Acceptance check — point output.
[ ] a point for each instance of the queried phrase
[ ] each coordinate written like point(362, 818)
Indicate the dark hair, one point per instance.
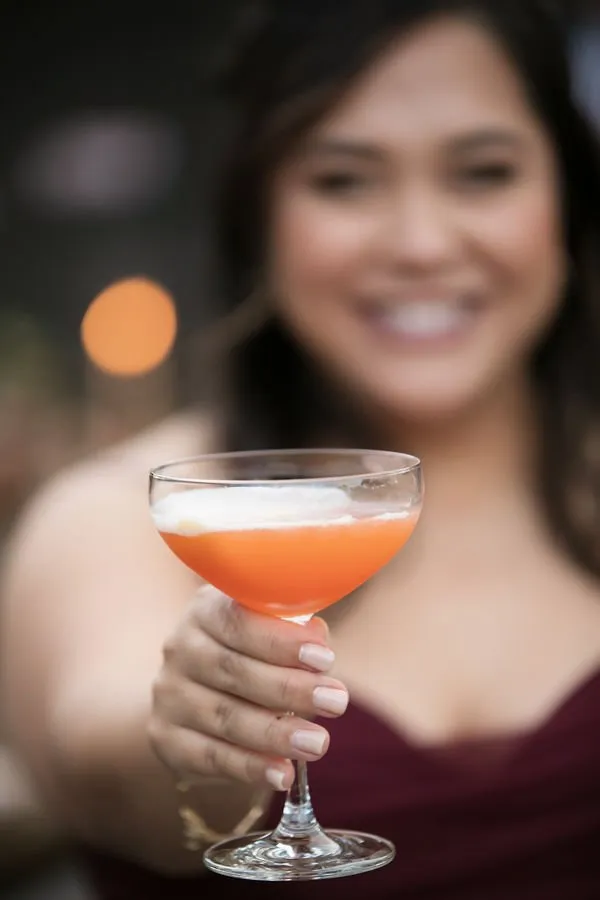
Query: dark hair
point(301, 55)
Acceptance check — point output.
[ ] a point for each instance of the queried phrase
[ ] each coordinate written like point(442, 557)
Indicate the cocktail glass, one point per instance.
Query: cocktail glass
point(287, 534)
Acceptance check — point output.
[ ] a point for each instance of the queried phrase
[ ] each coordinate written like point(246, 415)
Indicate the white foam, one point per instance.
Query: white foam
point(246, 507)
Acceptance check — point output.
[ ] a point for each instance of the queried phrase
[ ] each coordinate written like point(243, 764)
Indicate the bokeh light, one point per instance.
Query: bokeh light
point(100, 164)
point(130, 328)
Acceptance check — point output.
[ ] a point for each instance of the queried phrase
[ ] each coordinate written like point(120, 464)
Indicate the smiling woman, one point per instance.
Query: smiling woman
point(415, 197)
point(420, 254)
point(464, 170)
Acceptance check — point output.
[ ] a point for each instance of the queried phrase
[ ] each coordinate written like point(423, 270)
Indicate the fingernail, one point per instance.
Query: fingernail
point(312, 742)
point(276, 778)
point(317, 657)
point(330, 700)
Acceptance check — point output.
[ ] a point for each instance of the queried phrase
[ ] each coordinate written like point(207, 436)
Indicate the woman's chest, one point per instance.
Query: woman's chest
point(465, 647)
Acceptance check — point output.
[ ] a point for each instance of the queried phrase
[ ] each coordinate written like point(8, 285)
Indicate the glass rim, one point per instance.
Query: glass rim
point(160, 474)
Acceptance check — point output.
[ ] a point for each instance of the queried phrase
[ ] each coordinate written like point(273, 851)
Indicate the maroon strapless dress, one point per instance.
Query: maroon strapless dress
point(514, 819)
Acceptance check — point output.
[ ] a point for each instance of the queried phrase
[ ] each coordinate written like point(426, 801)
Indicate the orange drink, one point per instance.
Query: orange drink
point(241, 544)
point(287, 533)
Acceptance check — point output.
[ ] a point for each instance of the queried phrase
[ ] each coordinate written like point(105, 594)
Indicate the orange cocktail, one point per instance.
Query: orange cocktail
point(279, 550)
point(293, 571)
point(287, 533)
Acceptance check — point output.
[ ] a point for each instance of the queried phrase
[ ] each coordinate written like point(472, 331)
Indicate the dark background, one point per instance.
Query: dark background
point(110, 130)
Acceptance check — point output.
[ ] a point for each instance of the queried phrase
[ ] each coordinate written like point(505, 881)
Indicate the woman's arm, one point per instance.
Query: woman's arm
point(89, 596)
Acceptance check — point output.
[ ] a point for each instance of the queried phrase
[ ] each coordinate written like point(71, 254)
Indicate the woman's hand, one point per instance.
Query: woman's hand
point(228, 679)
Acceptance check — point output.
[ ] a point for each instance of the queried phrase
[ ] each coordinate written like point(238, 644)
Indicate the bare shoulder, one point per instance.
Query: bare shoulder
point(90, 592)
point(88, 588)
point(126, 465)
point(96, 500)
point(181, 435)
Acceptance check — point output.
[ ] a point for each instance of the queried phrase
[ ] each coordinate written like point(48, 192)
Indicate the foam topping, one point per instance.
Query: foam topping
point(246, 507)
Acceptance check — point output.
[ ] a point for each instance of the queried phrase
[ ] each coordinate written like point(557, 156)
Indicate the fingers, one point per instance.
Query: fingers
point(251, 727)
point(230, 677)
point(204, 661)
point(256, 668)
point(192, 754)
point(264, 638)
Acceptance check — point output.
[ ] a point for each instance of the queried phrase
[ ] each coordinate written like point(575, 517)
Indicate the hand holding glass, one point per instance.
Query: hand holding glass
point(288, 533)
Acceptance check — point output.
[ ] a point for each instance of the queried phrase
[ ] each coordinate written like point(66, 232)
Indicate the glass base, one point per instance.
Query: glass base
point(332, 854)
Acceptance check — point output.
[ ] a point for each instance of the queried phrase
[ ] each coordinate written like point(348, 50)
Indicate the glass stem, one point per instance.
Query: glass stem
point(298, 818)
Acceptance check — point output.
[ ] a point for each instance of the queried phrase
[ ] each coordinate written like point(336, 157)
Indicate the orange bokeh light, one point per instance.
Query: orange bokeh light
point(130, 328)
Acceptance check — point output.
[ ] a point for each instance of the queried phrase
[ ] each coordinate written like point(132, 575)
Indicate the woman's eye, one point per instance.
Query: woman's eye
point(488, 175)
point(340, 183)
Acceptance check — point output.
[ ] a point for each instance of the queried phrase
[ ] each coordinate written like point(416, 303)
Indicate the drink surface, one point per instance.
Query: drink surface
point(281, 550)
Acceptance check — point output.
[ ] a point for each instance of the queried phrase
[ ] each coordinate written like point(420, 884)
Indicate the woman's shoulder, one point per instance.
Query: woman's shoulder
point(183, 434)
point(110, 487)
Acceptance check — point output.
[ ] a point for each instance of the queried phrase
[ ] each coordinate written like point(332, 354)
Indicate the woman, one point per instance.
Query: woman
point(416, 200)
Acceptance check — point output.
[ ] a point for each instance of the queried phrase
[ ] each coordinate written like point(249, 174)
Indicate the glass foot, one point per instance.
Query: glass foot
point(267, 857)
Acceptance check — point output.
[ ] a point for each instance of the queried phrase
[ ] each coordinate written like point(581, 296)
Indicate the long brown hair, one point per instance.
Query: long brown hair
point(301, 55)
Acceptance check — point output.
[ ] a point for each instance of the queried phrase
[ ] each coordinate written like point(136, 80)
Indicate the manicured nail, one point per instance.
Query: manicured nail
point(330, 700)
point(276, 778)
point(317, 657)
point(312, 742)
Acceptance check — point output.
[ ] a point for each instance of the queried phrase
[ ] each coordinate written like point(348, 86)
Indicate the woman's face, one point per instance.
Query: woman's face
point(416, 246)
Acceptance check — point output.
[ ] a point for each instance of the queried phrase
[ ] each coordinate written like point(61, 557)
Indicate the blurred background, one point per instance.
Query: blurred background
point(111, 129)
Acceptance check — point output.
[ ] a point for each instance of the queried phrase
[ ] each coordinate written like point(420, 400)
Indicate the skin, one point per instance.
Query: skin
point(480, 627)
point(423, 182)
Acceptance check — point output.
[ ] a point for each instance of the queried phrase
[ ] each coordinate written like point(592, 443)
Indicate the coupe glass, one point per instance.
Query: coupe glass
point(288, 533)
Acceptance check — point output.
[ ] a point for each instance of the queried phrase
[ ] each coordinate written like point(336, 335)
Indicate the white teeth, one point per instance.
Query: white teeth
point(423, 320)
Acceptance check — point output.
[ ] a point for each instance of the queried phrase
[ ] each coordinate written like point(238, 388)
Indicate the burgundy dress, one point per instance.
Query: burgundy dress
point(516, 819)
